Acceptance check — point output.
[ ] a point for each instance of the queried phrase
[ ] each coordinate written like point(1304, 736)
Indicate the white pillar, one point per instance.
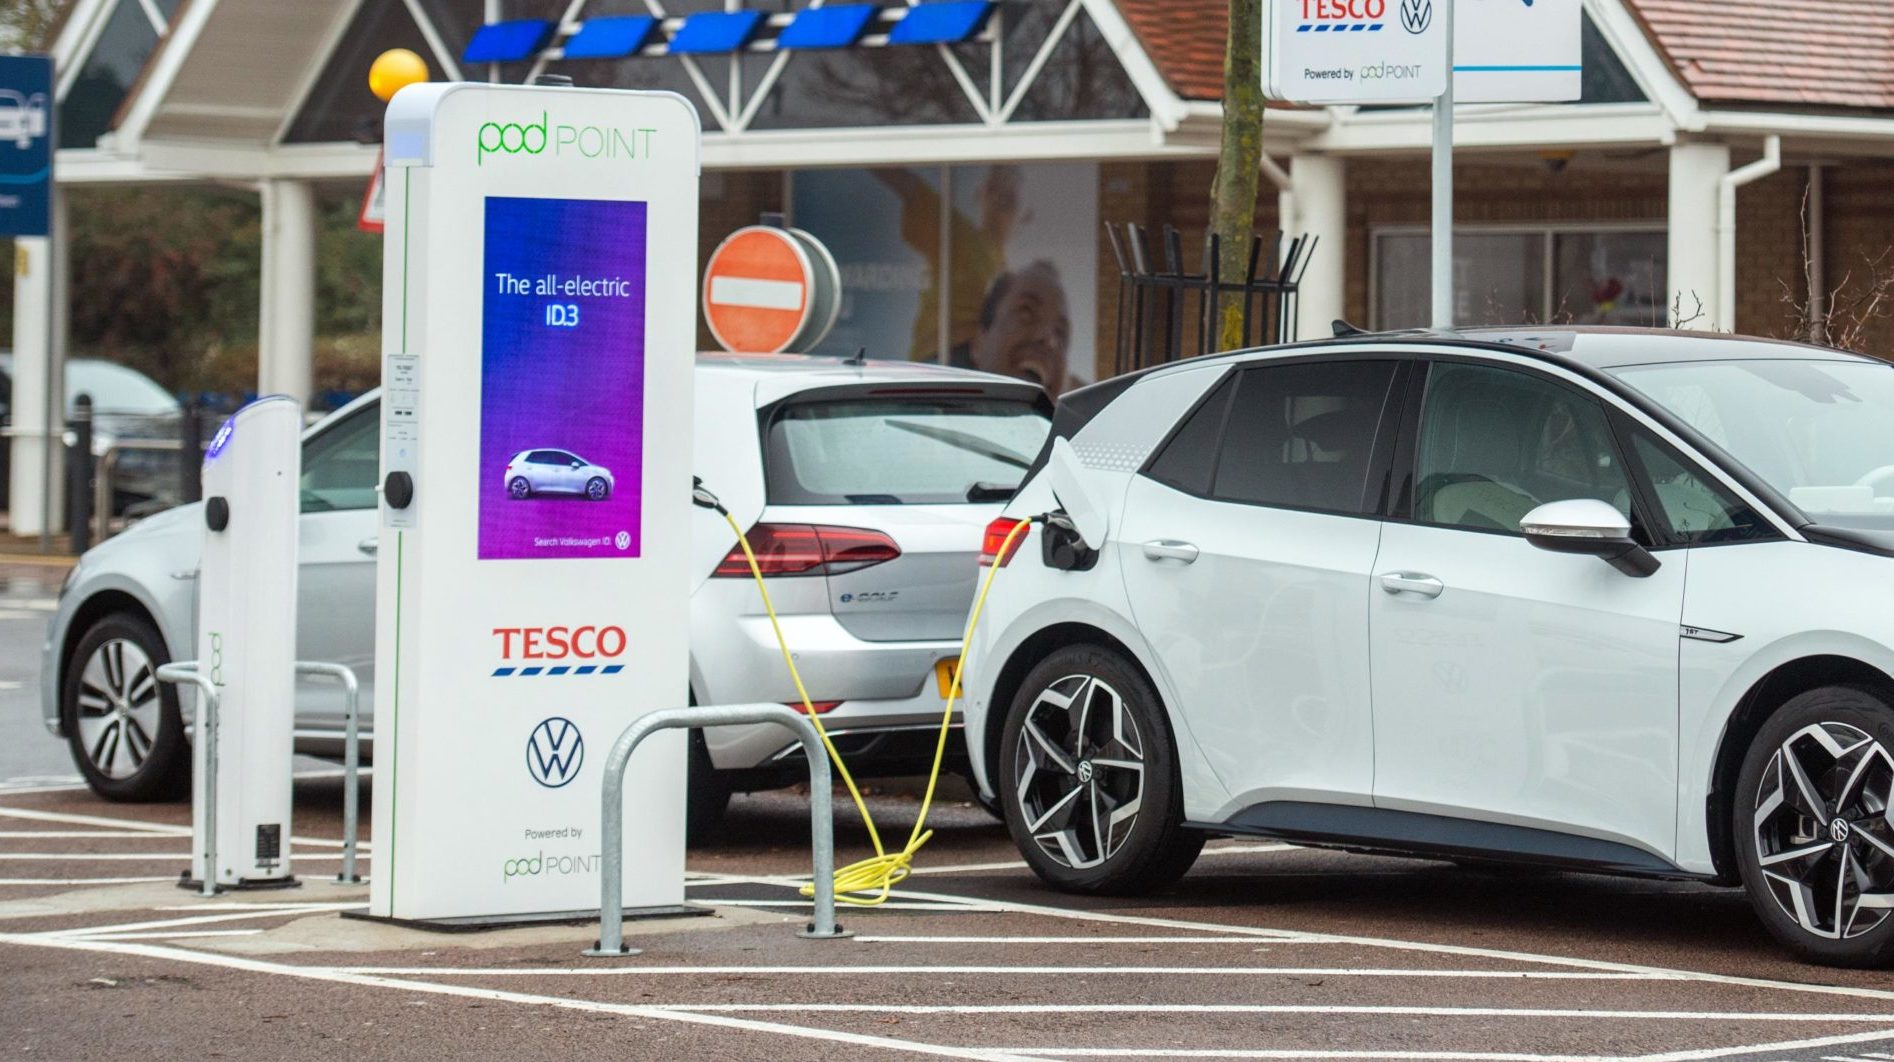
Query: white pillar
point(286, 353)
point(39, 356)
point(1696, 173)
point(1317, 205)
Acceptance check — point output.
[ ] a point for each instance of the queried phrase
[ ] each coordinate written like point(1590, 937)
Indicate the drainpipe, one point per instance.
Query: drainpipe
point(1770, 162)
point(1817, 252)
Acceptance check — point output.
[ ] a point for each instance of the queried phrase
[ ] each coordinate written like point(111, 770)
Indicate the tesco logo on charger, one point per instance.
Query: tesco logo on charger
point(1344, 10)
point(561, 643)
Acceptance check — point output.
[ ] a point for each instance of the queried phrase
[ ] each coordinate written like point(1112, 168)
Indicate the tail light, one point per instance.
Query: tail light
point(995, 540)
point(821, 707)
point(804, 549)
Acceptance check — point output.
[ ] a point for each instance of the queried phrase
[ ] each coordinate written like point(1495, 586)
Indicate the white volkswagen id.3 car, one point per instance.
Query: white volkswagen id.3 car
point(1603, 600)
point(532, 472)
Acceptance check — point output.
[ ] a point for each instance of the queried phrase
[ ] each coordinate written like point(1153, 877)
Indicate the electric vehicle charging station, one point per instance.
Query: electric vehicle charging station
point(246, 649)
point(533, 598)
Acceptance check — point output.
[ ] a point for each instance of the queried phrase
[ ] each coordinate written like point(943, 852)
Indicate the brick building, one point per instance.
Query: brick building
point(951, 175)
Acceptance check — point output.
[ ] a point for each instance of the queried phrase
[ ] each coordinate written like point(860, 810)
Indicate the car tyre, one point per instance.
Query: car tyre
point(706, 796)
point(1088, 777)
point(597, 489)
point(1812, 830)
point(123, 725)
point(518, 489)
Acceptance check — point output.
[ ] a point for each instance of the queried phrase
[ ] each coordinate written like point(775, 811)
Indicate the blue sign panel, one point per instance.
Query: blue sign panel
point(26, 144)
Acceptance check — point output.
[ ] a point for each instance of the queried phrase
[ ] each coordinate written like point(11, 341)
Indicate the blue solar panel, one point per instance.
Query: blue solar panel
point(614, 37)
point(506, 42)
point(941, 23)
point(716, 31)
point(837, 26)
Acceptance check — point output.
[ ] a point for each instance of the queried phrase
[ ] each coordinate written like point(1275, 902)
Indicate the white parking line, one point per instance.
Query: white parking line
point(1060, 940)
point(227, 915)
point(133, 825)
point(1268, 1008)
point(333, 976)
point(81, 881)
point(1442, 1056)
point(73, 835)
point(997, 971)
point(176, 936)
point(1020, 864)
point(54, 857)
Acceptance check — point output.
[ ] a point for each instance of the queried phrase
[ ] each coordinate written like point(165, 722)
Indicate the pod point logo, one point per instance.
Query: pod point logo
point(1417, 15)
point(535, 138)
point(554, 752)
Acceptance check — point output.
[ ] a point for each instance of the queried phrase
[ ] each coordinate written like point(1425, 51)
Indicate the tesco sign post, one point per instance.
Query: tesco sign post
point(533, 599)
point(1354, 51)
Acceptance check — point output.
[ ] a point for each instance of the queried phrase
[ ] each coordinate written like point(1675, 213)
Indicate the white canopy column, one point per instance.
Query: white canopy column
point(36, 504)
point(1696, 171)
point(1317, 204)
point(286, 354)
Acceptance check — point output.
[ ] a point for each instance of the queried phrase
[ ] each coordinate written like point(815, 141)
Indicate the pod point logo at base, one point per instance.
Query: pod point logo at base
point(535, 138)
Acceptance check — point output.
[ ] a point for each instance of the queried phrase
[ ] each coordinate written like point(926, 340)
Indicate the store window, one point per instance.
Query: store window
point(1526, 275)
point(86, 112)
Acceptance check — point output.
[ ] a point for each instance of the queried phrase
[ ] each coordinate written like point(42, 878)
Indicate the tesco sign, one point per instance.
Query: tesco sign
point(560, 643)
point(1353, 51)
point(1343, 10)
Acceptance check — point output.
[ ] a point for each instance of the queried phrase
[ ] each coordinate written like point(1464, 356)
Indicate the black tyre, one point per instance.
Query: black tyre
point(1088, 777)
point(518, 488)
point(706, 796)
point(597, 489)
point(121, 723)
point(1812, 836)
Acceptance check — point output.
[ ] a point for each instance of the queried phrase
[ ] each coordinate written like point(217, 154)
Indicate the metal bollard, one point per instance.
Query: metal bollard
point(79, 473)
point(611, 907)
point(190, 454)
point(185, 671)
point(351, 761)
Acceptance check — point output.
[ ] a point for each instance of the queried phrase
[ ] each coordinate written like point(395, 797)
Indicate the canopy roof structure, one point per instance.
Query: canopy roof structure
point(219, 89)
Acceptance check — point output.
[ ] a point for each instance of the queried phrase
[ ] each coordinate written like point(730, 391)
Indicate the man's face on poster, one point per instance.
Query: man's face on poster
point(1026, 329)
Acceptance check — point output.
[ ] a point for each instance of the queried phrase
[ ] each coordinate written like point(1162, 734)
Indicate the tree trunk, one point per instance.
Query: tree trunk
point(1240, 163)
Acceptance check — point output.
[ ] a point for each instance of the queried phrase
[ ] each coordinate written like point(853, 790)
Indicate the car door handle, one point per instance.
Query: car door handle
point(1412, 583)
point(370, 545)
point(1170, 549)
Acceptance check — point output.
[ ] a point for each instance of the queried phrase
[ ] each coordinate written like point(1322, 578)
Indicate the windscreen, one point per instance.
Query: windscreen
point(906, 450)
point(1820, 432)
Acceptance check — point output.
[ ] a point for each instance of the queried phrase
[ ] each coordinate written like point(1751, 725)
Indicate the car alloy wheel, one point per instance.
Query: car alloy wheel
point(519, 488)
point(596, 490)
point(1823, 836)
point(1080, 771)
point(119, 708)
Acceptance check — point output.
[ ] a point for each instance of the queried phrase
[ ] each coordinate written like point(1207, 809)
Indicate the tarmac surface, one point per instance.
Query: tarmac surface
point(1263, 951)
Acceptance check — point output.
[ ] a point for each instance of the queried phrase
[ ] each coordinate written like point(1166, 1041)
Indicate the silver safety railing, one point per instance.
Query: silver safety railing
point(611, 906)
point(351, 761)
point(186, 672)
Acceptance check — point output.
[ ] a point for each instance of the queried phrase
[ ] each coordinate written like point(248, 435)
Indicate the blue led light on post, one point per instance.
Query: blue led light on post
point(611, 37)
point(715, 32)
point(508, 42)
point(947, 22)
point(836, 26)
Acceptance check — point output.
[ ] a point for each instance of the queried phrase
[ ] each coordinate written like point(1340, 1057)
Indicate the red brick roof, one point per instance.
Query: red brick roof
point(1827, 53)
point(1797, 53)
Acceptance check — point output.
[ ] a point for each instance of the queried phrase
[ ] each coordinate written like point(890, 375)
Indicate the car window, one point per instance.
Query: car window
point(546, 457)
point(1697, 507)
point(1496, 444)
point(1189, 460)
point(1301, 435)
point(341, 464)
point(915, 449)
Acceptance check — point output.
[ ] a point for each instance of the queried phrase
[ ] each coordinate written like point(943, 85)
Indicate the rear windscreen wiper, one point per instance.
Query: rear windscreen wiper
point(965, 441)
point(992, 492)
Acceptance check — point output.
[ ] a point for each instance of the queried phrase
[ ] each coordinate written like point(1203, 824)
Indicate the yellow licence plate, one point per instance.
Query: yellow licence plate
point(944, 675)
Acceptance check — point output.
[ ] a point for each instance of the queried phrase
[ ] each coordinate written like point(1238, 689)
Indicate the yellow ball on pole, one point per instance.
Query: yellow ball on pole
point(394, 70)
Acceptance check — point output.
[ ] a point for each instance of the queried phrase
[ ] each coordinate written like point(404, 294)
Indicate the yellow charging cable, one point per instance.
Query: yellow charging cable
point(870, 881)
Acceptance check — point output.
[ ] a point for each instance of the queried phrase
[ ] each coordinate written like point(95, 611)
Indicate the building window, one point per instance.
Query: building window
point(91, 105)
point(1614, 275)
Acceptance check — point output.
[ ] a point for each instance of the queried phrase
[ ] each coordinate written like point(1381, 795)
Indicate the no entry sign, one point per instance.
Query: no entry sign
point(768, 290)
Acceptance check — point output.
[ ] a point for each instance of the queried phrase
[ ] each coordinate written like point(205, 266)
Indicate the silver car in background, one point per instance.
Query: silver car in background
point(864, 489)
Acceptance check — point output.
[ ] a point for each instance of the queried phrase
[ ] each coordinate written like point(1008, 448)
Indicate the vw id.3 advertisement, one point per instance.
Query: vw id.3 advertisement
point(562, 379)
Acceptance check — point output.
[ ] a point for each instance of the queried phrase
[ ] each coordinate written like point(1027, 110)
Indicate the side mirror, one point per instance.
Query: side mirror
point(1588, 526)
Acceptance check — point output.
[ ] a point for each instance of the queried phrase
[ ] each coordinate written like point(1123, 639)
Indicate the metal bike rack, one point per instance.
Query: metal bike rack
point(185, 671)
point(351, 761)
point(611, 907)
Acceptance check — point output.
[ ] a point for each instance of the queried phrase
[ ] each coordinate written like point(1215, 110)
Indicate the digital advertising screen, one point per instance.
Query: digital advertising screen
point(562, 379)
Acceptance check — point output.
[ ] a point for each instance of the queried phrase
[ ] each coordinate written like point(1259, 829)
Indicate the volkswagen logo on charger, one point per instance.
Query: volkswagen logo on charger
point(555, 752)
point(1417, 15)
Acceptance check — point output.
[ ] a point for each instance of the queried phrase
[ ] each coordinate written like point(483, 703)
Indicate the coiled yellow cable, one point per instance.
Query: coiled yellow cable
point(870, 881)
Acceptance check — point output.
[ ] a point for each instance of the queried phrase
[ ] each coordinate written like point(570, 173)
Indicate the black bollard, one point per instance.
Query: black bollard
point(190, 454)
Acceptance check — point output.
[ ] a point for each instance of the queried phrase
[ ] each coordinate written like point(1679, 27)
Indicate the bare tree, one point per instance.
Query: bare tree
point(1240, 163)
point(26, 25)
point(1844, 315)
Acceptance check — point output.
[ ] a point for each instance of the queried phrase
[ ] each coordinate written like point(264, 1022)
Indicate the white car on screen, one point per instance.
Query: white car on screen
point(22, 119)
point(549, 471)
point(1607, 600)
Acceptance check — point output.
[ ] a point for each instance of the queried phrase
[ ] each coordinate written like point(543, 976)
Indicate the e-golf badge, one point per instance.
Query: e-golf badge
point(555, 752)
